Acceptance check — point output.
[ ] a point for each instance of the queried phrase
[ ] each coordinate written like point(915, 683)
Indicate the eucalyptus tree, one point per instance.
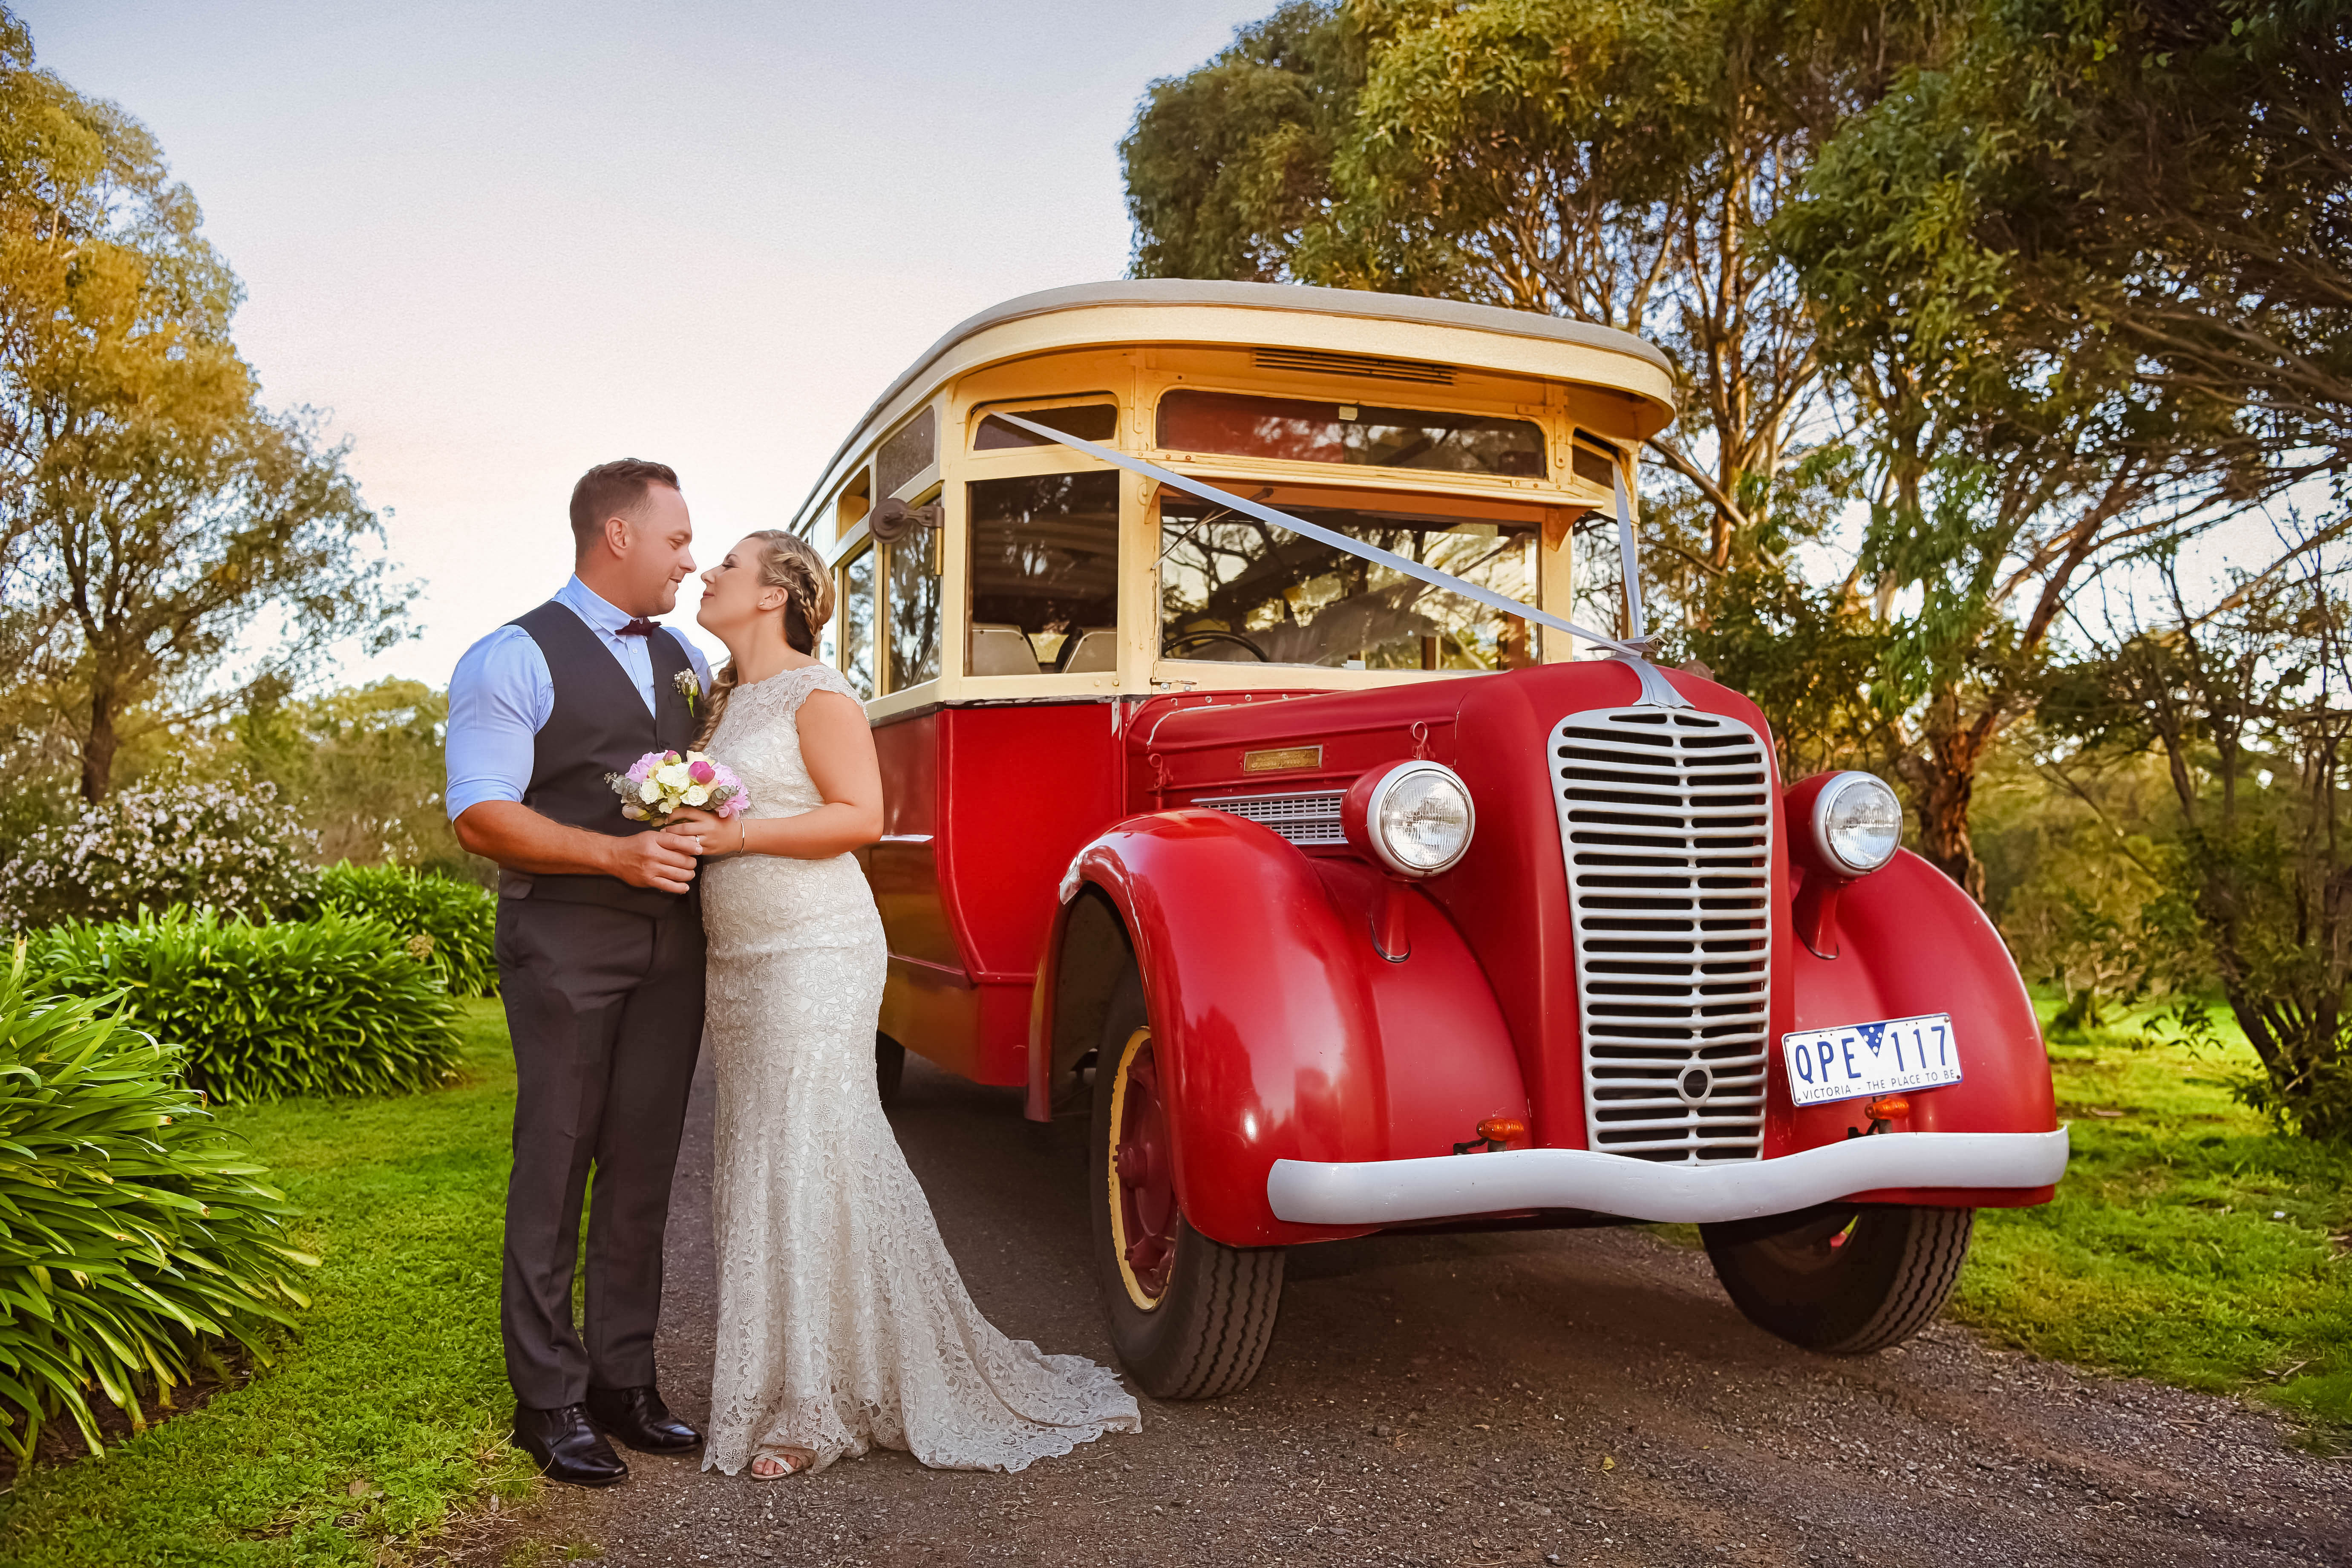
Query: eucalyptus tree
point(1611, 163)
point(2017, 266)
point(2247, 698)
point(154, 515)
point(2178, 173)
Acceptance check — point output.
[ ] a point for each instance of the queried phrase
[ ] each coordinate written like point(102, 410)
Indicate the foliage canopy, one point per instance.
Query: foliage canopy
point(154, 517)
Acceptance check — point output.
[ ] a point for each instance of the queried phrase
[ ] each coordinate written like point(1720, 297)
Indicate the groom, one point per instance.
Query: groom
point(600, 961)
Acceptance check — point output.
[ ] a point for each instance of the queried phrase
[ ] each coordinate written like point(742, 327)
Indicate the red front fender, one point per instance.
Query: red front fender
point(1282, 1033)
point(1908, 941)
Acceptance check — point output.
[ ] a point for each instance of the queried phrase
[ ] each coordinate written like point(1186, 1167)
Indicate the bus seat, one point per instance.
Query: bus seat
point(1000, 647)
point(1090, 650)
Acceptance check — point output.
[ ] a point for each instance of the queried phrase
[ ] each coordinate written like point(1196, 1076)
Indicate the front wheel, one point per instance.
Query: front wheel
point(1843, 1278)
point(1191, 1317)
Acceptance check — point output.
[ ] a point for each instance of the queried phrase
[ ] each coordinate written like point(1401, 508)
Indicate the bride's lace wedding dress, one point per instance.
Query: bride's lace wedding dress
point(842, 1321)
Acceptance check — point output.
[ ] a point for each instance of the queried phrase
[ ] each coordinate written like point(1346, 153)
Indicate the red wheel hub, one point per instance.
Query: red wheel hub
point(1145, 1189)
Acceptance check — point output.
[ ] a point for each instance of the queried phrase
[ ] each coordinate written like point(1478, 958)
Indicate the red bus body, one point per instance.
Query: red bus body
point(1289, 1035)
point(1120, 748)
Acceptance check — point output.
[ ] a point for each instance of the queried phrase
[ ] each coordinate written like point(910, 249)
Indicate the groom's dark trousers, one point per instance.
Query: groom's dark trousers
point(602, 984)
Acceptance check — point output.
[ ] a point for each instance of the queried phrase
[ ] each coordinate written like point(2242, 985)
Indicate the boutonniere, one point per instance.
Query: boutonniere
point(690, 688)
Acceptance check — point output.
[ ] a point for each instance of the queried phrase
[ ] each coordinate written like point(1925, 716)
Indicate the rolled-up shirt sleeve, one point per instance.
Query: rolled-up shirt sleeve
point(499, 698)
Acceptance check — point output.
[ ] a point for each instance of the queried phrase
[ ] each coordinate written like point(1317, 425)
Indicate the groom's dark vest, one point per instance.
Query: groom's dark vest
point(597, 726)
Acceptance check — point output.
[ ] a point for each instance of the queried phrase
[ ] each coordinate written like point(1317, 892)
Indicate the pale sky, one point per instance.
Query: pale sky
point(500, 242)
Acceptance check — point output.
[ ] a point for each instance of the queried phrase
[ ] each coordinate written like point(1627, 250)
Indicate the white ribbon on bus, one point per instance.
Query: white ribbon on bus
point(1635, 647)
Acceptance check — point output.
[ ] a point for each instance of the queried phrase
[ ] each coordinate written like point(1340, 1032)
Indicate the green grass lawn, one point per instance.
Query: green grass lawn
point(390, 1407)
point(2188, 1242)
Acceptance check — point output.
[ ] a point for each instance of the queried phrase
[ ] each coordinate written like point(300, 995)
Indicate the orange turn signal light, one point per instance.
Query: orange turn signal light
point(1886, 1107)
point(1502, 1129)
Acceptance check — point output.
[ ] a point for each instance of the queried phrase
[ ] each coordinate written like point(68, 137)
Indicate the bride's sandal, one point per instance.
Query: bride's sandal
point(778, 1465)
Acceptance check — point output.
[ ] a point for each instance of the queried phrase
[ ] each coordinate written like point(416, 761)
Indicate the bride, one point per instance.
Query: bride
point(842, 1321)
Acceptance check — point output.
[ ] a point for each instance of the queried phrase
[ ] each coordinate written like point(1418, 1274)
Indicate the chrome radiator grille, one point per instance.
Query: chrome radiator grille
point(1665, 822)
point(1310, 818)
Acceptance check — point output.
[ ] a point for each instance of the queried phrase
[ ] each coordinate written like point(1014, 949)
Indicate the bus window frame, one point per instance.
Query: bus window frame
point(979, 411)
point(1550, 648)
point(965, 465)
point(1556, 430)
point(1137, 376)
point(830, 647)
point(886, 552)
point(1539, 419)
point(857, 490)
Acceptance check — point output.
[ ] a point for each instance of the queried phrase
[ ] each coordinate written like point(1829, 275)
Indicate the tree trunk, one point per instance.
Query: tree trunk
point(1944, 842)
point(1943, 780)
point(97, 748)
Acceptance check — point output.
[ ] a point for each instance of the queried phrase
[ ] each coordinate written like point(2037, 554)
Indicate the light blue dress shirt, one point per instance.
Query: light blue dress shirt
point(502, 694)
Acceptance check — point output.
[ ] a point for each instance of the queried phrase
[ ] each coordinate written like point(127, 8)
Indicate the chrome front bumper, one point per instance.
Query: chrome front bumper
point(1399, 1192)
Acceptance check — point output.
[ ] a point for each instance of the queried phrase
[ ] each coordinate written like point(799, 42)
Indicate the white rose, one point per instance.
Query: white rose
point(649, 791)
point(696, 796)
point(673, 776)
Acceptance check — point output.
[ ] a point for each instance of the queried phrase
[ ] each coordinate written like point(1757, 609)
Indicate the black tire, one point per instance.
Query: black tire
point(889, 1066)
point(1206, 1332)
point(1843, 1278)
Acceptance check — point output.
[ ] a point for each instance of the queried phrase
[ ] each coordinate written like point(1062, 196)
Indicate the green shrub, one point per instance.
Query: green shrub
point(225, 844)
point(132, 1235)
point(333, 1006)
point(457, 919)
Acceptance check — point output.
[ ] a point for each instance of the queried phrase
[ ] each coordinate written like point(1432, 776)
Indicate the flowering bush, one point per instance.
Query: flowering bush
point(225, 846)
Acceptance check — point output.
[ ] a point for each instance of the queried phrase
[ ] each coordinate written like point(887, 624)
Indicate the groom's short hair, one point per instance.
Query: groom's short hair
point(612, 490)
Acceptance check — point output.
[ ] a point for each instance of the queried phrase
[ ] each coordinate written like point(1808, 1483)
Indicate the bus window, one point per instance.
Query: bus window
point(1594, 460)
point(1302, 431)
point(907, 452)
point(1044, 574)
point(911, 564)
point(853, 622)
point(1233, 588)
point(856, 499)
point(1087, 421)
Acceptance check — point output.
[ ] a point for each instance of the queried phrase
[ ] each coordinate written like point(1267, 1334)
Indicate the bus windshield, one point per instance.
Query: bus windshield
point(1301, 430)
point(1233, 588)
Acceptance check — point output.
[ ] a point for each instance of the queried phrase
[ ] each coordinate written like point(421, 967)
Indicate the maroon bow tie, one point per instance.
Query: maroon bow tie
point(639, 629)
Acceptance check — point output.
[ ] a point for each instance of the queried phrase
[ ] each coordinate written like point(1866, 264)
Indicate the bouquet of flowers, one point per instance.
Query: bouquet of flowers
point(659, 783)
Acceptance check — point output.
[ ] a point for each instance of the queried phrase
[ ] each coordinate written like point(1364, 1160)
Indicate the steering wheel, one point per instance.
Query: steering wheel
point(1187, 639)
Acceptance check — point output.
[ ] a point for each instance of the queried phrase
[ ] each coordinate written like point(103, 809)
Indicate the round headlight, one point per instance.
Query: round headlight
point(1418, 818)
point(1857, 822)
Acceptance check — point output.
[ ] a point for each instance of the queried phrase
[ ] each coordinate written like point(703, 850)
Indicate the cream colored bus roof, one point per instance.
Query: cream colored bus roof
point(1509, 333)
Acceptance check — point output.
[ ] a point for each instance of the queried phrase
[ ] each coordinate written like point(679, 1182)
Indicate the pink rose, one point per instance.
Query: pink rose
point(702, 773)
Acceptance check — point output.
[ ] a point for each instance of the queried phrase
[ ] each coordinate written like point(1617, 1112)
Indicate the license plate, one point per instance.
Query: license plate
point(1861, 1059)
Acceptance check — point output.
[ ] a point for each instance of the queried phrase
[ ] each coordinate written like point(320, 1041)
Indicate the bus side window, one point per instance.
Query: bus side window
point(852, 631)
point(1044, 575)
point(912, 570)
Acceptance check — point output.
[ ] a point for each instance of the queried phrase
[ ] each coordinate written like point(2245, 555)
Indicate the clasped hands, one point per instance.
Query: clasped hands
point(667, 856)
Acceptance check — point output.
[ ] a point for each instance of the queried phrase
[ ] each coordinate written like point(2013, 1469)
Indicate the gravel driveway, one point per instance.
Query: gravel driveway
point(1530, 1397)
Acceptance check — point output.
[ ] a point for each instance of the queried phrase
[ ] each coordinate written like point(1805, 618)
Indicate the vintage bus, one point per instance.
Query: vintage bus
point(1255, 793)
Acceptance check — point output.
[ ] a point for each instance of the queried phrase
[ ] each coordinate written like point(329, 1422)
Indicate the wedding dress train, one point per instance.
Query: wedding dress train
point(842, 1321)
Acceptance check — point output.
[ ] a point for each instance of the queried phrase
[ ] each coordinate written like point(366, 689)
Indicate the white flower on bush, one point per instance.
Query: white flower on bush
point(219, 845)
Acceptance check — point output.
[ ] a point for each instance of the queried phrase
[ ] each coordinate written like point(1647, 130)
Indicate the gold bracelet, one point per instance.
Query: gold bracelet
point(742, 836)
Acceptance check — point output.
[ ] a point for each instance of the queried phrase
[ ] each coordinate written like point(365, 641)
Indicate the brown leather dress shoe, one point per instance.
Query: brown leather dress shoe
point(566, 1446)
point(638, 1417)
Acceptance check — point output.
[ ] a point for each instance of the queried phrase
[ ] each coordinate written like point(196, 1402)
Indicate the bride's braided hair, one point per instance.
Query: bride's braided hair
point(791, 563)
